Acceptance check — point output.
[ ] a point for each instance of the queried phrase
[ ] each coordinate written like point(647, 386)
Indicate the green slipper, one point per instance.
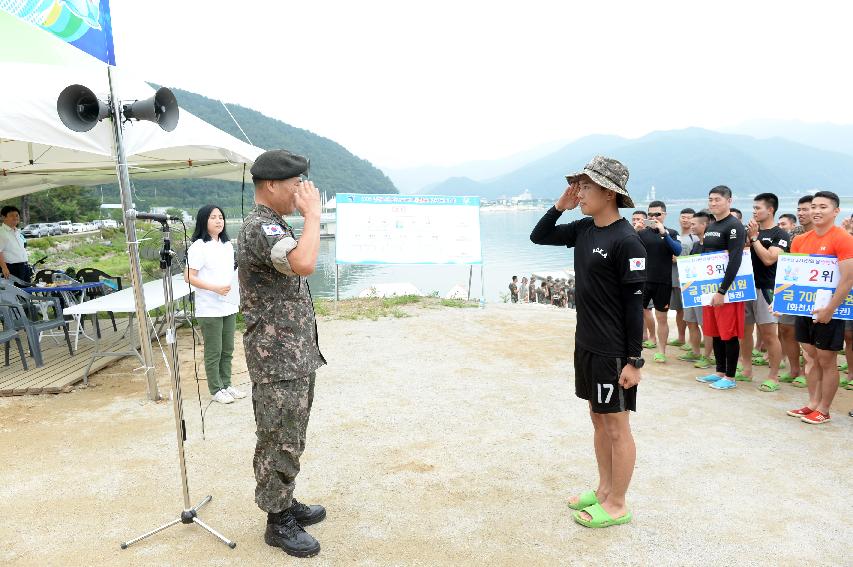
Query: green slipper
point(702, 362)
point(799, 382)
point(600, 518)
point(756, 352)
point(843, 382)
point(741, 377)
point(782, 365)
point(842, 367)
point(688, 357)
point(760, 361)
point(659, 357)
point(786, 378)
point(586, 499)
point(686, 348)
point(650, 344)
point(675, 342)
point(849, 385)
point(769, 386)
point(740, 366)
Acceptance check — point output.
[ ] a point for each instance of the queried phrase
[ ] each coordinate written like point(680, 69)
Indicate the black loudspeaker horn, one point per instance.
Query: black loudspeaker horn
point(161, 108)
point(79, 108)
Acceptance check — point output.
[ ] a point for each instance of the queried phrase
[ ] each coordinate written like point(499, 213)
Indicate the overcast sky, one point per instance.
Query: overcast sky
point(440, 82)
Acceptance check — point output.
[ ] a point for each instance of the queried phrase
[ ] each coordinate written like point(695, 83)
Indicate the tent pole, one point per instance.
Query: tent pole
point(470, 275)
point(132, 244)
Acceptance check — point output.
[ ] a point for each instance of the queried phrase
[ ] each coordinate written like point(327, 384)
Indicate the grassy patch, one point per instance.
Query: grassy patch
point(375, 308)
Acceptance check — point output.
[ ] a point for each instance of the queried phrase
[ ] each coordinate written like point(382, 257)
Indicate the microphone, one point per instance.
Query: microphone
point(133, 214)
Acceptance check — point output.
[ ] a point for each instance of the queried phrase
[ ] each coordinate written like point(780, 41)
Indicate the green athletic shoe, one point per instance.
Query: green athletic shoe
point(786, 378)
point(659, 357)
point(703, 362)
point(686, 348)
point(799, 382)
point(675, 342)
point(689, 357)
point(650, 344)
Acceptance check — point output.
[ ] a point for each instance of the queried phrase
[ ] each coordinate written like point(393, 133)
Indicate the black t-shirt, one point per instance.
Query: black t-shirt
point(606, 258)
point(765, 276)
point(726, 234)
point(658, 255)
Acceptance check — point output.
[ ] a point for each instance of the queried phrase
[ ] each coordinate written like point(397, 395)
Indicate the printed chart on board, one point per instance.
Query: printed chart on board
point(407, 229)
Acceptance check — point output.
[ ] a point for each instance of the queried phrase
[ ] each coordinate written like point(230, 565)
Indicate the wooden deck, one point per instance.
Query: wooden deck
point(60, 371)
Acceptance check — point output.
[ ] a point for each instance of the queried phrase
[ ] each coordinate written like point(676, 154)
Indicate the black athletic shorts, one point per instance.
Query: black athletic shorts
point(825, 336)
point(658, 293)
point(597, 380)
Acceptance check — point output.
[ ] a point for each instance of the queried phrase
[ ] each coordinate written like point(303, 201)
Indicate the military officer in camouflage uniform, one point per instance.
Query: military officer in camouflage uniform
point(282, 353)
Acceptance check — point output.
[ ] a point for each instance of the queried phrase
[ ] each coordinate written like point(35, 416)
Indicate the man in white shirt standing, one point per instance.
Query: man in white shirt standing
point(13, 254)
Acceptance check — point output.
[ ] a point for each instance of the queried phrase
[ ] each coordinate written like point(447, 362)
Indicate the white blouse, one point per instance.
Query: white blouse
point(214, 261)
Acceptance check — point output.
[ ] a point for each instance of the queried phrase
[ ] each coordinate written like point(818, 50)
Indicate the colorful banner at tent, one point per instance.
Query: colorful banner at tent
point(799, 281)
point(407, 229)
point(83, 24)
point(702, 274)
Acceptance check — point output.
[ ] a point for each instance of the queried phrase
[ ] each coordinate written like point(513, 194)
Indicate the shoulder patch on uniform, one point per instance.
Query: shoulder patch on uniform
point(272, 229)
point(637, 264)
point(783, 243)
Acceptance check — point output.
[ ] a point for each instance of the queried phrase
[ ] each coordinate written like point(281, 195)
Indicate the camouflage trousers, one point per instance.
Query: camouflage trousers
point(281, 415)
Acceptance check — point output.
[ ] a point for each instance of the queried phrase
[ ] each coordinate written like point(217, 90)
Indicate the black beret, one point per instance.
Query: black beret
point(278, 164)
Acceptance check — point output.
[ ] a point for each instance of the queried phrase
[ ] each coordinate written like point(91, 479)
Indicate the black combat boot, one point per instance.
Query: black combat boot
point(307, 515)
point(285, 532)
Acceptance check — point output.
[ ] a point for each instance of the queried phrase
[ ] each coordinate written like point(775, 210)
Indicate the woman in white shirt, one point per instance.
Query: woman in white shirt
point(210, 270)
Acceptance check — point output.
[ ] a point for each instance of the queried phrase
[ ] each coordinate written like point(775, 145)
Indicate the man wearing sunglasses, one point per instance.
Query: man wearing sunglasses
point(661, 245)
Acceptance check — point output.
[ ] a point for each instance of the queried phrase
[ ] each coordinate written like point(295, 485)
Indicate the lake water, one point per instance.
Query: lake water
point(507, 251)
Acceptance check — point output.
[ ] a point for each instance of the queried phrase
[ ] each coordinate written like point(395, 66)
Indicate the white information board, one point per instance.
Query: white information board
point(407, 229)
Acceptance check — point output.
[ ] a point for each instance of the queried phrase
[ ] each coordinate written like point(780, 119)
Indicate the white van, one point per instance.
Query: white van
point(65, 226)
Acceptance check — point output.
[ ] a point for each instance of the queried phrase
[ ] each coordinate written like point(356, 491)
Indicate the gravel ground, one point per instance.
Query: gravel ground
point(451, 437)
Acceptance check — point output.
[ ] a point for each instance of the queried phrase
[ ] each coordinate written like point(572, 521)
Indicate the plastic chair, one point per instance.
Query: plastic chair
point(10, 333)
point(91, 275)
point(25, 310)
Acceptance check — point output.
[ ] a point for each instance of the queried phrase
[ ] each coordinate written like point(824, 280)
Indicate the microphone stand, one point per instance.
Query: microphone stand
point(188, 515)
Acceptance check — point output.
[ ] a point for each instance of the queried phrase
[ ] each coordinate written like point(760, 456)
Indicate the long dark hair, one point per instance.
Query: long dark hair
point(201, 224)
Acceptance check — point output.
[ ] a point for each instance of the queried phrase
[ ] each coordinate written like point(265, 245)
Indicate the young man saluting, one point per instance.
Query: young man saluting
point(610, 263)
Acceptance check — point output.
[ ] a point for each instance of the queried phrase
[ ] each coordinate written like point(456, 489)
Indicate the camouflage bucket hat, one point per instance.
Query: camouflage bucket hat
point(610, 174)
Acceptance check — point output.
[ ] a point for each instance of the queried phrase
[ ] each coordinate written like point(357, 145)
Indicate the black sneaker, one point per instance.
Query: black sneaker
point(285, 532)
point(307, 515)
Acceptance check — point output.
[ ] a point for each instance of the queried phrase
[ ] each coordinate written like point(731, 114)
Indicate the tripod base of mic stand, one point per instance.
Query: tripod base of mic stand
point(187, 517)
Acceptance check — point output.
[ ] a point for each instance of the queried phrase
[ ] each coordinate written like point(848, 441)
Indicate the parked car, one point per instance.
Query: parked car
point(89, 227)
point(36, 230)
point(64, 226)
point(53, 228)
point(78, 227)
point(110, 223)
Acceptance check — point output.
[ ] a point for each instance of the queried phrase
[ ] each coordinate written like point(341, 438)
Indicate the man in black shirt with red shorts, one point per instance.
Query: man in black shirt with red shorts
point(610, 269)
point(724, 322)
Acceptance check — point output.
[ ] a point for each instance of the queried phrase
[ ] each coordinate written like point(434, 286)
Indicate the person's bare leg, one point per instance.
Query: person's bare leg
point(624, 455)
point(649, 319)
point(603, 457)
point(848, 353)
point(663, 330)
point(814, 373)
point(770, 337)
point(693, 329)
point(681, 325)
point(791, 348)
point(828, 362)
point(709, 346)
point(746, 345)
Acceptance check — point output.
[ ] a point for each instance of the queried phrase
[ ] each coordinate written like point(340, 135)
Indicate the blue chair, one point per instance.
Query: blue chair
point(10, 333)
point(26, 311)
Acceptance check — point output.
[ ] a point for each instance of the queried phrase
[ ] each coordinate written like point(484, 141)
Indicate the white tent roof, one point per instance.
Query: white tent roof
point(30, 131)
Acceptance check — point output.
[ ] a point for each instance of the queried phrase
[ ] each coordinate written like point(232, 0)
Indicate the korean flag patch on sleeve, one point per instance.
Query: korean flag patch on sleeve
point(272, 229)
point(636, 264)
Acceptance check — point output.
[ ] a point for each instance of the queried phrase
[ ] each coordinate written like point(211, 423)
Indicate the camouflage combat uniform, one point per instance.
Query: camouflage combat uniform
point(282, 352)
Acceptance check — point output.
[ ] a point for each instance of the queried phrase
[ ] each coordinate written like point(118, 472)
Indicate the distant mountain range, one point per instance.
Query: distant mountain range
point(680, 164)
point(333, 168)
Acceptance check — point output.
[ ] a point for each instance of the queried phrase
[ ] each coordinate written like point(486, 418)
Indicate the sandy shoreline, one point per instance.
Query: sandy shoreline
point(449, 437)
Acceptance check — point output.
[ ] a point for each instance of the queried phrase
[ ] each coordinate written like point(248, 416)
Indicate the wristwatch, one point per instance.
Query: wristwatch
point(636, 361)
point(755, 239)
